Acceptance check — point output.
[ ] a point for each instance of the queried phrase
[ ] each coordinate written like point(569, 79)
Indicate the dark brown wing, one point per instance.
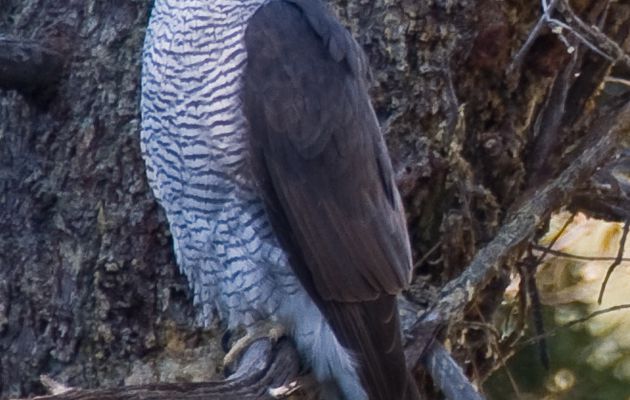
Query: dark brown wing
point(322, 167)
point(314, 128)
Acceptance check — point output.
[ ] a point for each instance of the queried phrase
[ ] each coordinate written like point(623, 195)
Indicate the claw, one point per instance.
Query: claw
point(267, 329)
point(284, 391)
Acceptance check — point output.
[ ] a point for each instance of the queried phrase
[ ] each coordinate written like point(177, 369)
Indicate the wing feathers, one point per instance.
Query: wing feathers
point(324, 152)
point(321, 164)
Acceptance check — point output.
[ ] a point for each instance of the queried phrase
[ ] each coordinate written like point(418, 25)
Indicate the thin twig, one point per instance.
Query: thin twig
point(614, 79)
point(533, 35)
point(532, 290)
point(588, 35)
point(517, 390)
point(548, 248)
point(494, 339)
point(569, 324)
point(428, 254)
point(622, 246)
point(562, 254)
point(528, 268)
point(581, 38)
point(614, 51)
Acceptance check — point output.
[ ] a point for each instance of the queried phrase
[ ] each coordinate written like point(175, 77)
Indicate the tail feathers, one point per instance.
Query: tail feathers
point(371, 331)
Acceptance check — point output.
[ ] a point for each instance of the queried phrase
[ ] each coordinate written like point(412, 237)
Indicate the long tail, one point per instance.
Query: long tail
point(371, 331)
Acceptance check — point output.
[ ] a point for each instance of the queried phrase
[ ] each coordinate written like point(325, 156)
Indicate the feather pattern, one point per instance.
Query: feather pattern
point(322, 167)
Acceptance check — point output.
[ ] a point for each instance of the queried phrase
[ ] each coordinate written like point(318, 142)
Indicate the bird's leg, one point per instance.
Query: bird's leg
point(261, 329)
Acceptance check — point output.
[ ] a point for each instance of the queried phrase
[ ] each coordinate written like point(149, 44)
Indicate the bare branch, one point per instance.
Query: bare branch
point(522, 224)
point(448, 376)
point(549, 122)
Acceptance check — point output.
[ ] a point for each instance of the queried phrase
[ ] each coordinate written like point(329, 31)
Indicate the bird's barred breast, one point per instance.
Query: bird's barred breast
point(194, 146)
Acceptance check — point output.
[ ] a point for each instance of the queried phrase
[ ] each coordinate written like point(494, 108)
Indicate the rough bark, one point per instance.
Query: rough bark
point(89, 291)
point(262, 368)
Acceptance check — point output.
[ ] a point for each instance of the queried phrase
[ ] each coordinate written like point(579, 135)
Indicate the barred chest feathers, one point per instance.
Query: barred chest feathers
point(195, 150)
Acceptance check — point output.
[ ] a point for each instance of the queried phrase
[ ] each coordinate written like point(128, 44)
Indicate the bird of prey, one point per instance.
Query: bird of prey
point(261, 144)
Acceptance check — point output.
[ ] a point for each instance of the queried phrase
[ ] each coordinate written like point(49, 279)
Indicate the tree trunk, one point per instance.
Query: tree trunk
point(481, 103)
